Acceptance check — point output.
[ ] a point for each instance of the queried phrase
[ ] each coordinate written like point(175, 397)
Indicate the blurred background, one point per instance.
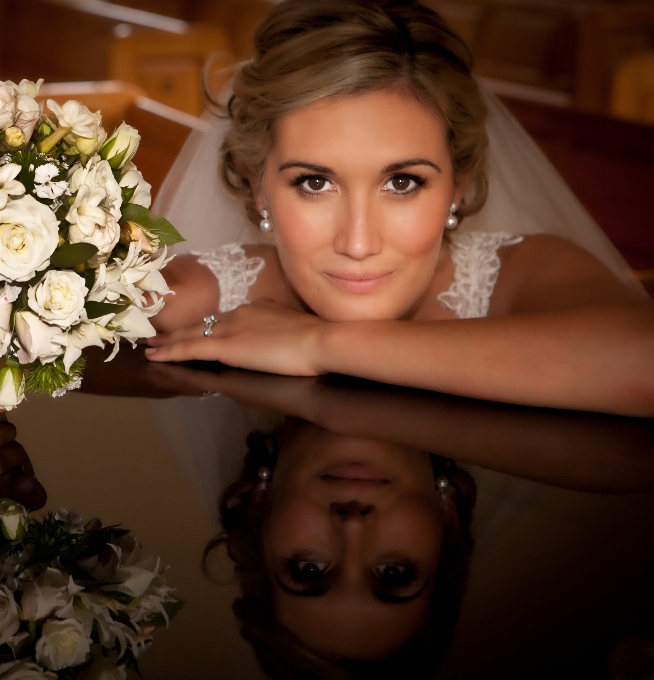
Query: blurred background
point(578, 74)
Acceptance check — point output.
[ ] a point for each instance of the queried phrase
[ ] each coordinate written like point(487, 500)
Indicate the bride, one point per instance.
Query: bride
point(401, 247)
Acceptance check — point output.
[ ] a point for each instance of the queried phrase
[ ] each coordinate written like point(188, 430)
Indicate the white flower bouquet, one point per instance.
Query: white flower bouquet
point(76, 242)
point(76, 600)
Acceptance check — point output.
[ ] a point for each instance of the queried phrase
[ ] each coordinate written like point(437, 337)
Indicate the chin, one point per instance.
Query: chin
point(356, 310)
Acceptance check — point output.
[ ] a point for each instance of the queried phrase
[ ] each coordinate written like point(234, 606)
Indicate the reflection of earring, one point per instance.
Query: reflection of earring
point(452, 220)
point(264, 475)
point(443, 484)
point(266, 224)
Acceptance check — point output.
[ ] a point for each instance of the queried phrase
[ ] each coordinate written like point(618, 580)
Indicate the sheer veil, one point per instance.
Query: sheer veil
point(526, 196)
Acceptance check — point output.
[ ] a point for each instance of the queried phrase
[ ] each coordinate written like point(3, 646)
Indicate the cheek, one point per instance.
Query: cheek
point(295, 523)
point(414, 526)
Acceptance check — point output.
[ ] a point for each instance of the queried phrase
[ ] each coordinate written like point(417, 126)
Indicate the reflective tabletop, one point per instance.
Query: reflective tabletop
point(448, 537)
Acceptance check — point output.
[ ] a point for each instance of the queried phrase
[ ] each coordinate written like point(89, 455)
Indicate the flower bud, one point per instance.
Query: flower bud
point(12, 387)
point(13, 520)
point(131, 231)
point(121, 146)
point(15, 137)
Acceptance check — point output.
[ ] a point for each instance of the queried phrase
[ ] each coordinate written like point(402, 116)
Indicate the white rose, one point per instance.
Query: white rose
point(5, 326)
point(9, 616)
point(7, 104)
point(58, 298)
point(13, 520)
point(9, 185)
point(38, 340)
point(131, 177)
point(120, 148)
point(45, 596)
point(62, 644)
point(77, 117)
point(12, 388)
point(24, 670)
point(29, 234)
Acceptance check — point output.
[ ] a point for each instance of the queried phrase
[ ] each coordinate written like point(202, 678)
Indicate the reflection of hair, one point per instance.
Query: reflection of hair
point(309, 50)
point(281, 654)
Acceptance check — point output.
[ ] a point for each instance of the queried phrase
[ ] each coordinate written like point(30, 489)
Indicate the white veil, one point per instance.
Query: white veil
point(526, 194)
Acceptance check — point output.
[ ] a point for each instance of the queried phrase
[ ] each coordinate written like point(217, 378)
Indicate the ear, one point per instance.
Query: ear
point(460, 189)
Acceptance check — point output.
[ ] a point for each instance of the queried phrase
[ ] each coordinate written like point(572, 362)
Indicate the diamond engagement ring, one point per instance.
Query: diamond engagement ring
point(209, 322)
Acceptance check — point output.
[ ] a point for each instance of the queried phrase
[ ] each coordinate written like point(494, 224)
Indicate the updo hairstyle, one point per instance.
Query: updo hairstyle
point(311, 50)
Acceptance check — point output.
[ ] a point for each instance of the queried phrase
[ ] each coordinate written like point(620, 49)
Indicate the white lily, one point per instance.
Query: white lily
point(38, 340)
point(9, 185)
point(132, 324)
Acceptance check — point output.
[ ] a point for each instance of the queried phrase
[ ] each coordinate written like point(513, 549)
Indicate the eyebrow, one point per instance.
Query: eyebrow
point(393, 167)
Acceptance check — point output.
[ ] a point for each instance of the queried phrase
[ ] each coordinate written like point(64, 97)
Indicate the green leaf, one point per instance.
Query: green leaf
point(89, 277)
point(127, 193)
point(123, 598)
point(95, 310)
point(72, 254)
point(160, 227)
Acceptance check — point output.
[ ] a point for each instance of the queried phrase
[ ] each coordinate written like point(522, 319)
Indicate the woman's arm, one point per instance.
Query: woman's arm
point(563, 333)
point(197, 293)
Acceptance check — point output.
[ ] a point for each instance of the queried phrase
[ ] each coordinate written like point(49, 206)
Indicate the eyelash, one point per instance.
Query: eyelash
point(419, 182)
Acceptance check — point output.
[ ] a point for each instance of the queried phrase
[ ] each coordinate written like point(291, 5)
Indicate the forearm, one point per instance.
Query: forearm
point(600, 358)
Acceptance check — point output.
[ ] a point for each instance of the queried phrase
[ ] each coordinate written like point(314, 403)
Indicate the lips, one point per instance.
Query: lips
point(355, 473)
point(358, 283)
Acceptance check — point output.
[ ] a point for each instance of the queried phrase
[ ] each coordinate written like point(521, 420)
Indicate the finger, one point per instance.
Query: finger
point(7, 432)
point(178, 335)
point(204, 349)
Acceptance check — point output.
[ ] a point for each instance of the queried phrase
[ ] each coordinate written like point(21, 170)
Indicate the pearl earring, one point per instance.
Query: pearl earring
point(443, 484)
point(266, 224)
point(452, 220)
point(264, 475)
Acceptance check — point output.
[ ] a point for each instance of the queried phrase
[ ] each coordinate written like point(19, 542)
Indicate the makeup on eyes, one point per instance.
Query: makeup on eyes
point(316, 185)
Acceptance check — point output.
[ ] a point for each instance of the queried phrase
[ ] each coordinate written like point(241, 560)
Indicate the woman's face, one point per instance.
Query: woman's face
point(353, 542)
point(359, 189)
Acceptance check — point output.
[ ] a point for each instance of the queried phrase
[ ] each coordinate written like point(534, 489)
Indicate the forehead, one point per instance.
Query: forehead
point(372, 126)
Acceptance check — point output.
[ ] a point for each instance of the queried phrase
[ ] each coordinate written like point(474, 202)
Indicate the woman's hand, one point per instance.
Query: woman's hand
point(17, 480)
point(264, 336)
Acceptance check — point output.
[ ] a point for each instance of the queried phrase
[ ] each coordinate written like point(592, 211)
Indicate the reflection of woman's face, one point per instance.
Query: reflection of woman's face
point(359, 189)
point(353, 560)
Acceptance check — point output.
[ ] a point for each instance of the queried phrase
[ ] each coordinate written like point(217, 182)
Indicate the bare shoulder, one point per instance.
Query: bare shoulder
point(546, 273)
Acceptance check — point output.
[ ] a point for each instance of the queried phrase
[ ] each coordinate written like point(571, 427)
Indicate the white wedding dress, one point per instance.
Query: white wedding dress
point(474, 255)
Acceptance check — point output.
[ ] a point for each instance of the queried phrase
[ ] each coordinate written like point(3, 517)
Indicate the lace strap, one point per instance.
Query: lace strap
point(476, 268)
point(235, 272)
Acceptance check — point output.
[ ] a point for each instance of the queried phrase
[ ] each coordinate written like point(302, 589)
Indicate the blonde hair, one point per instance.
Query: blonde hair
point(310, 50)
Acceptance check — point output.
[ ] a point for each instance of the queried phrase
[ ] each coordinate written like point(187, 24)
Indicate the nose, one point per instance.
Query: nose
point(359, 235)
point(350, 510)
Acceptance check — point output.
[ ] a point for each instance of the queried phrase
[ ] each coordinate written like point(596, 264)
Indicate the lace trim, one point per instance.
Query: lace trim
point(476, 268)
point(235, 273)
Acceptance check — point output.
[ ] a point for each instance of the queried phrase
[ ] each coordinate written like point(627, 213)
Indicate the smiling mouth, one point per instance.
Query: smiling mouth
point(360, 284)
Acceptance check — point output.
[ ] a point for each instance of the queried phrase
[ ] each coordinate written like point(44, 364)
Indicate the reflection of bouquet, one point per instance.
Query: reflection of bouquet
point(76, 239)
point(76, 601)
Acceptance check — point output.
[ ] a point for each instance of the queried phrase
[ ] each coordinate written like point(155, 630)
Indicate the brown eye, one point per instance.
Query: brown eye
point(315, 183)
point(401, 183)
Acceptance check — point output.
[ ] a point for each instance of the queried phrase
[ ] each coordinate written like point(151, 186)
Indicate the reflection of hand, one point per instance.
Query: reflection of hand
point(17, 480)
point(264, 336)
